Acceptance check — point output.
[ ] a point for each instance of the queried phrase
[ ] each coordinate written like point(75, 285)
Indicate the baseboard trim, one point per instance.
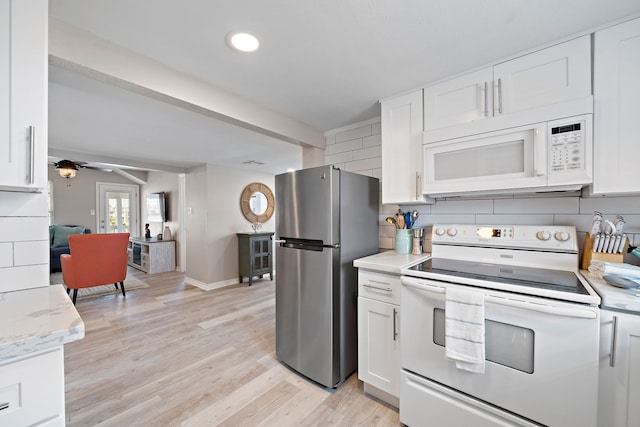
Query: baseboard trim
point(210, 286)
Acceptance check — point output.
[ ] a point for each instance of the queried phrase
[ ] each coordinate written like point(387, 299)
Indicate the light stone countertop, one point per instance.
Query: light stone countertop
point(612, 296)
point(389, 261)
point(37, 319)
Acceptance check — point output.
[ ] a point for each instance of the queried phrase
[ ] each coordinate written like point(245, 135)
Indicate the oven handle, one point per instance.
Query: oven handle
point(558, 311)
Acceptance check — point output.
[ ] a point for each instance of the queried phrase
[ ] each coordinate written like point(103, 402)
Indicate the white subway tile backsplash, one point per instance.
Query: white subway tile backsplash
point(368, 153)
point(338, 158)
point(376, 173)
point(329, 139)
point(17, 278)
point(376, 128)
point(362, 164)
point(611, 205)
point(372, 141)
point(6, 254)
point(561, 205)
point(385, 243)
point(358, 132)
point(22, 204)
point(353, 144)
point(462, 206)
point(514, 219)
point(430, 219)
point(30, 253)
point(582, 223)
point(23, 228)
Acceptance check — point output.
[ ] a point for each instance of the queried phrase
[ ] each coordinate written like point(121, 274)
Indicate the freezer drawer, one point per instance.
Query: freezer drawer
point(308, 322)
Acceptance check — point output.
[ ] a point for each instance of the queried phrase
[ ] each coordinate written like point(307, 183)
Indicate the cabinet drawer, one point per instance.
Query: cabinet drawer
point(379, 286)
point(33, 389)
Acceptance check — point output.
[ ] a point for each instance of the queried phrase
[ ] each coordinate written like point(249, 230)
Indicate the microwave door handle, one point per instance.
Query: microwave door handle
point(539, 153)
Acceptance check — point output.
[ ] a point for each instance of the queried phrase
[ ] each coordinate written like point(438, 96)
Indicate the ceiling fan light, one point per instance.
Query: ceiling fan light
point(67, 172)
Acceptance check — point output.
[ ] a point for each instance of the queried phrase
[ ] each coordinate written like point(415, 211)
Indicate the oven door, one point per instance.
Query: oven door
point(542, 354)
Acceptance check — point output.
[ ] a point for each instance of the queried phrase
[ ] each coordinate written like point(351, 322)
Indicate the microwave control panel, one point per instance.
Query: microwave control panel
point(567, 148)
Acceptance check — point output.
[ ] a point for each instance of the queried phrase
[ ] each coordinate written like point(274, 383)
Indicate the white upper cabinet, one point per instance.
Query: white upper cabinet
point(402, 149)
point(460, 100)
point(23, 94)
point(557, 74)
point(616, 89)
point(534, 85)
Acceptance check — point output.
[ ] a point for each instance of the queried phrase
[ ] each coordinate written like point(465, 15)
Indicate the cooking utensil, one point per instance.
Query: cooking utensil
point(400, 222)
point(407, 219)
point(414, 217)
point(391, 220)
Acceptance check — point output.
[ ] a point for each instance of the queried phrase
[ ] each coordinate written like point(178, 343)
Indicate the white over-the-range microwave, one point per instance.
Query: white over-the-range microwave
point(547, 156)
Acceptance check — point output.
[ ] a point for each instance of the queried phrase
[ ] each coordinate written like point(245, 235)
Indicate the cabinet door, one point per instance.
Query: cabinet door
point(402, 149)
point(619, 385)
point(23, 76)
point(556, 74)
point(459, 100)
point(616, 89)
point(379, 345)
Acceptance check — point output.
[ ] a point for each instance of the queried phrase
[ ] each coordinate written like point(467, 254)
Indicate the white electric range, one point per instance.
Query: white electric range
point(541, 321)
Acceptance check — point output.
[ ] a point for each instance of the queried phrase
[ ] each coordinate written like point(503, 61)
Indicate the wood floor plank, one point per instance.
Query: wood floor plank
point(175, 355)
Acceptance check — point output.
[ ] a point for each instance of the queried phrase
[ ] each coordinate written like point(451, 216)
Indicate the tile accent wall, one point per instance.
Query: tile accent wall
point(357, 148)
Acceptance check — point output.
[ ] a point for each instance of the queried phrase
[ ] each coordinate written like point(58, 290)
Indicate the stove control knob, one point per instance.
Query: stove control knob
point(440, 231)
point(452, 232)
point(563, 236)
point(543, 235)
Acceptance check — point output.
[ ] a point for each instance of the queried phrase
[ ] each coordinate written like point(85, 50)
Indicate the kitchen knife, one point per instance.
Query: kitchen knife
point(612, 243)
point(604, 244)
point(596, 242)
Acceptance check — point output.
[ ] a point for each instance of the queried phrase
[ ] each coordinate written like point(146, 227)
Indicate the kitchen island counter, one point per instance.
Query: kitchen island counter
point(37, 319)
point(389, 261)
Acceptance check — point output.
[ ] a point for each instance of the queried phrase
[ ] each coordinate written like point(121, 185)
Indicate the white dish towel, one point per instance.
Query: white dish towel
point(464, 329)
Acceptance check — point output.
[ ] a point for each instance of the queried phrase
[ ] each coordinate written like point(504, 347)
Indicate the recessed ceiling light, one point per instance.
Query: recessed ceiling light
point(243, 42)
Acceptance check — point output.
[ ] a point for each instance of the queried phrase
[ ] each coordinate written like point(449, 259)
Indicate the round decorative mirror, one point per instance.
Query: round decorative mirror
point(257, 202)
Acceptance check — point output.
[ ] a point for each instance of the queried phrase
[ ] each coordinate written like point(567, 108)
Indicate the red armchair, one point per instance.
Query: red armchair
point(95, 260)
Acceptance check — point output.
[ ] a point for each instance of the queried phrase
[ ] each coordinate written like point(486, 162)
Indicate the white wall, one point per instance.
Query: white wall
point(213, 197)
point(357, 149)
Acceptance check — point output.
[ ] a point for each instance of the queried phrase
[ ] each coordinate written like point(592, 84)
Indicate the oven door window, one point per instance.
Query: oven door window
point(507, 345)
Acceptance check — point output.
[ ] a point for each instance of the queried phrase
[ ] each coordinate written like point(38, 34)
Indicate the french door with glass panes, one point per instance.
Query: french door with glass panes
point(117, 208)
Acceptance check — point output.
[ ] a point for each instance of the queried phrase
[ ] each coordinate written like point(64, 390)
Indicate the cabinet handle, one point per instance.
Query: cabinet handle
point(366, 285)
point(4, 405)
point(486, 99)
point(32, 154)
point(614, 340)
point(417, 186)
point(395, 329)
point(500, 96)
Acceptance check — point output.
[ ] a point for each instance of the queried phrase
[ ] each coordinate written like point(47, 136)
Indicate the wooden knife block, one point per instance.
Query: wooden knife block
point(588, 254)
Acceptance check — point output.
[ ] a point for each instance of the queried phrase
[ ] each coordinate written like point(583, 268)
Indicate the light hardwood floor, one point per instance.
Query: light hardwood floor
point(172, 354)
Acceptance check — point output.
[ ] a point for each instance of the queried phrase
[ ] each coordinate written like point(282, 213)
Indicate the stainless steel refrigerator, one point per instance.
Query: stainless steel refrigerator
point(325, 218)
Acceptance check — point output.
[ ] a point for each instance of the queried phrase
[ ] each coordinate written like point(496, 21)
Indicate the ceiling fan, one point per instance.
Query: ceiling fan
point(69, 168)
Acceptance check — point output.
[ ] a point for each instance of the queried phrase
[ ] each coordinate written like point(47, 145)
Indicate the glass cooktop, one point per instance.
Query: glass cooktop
point(554, 280)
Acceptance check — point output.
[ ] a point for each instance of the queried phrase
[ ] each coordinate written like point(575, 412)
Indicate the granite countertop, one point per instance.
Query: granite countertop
point(37, 319)
point(389, 261)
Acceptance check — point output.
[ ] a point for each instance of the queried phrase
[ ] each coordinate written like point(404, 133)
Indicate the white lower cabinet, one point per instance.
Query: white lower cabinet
point(619, 380)
point(32, 390)
point(379, 335)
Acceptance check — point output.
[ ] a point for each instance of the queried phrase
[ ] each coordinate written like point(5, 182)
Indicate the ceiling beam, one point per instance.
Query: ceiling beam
point(81, 51)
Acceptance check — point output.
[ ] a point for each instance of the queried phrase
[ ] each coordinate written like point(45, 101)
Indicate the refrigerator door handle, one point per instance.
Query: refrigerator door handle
point(279, 241)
